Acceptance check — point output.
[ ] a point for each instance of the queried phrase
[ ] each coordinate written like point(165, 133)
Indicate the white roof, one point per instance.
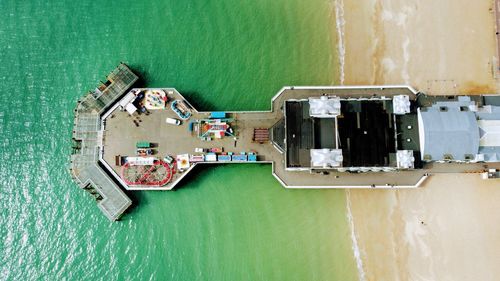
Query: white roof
point(183, 161)
point(324, 107)
point(141, 161)
point(489, 132)
point(210, 157)
point(401, 104)
point(128, 98)
point(405, 159)
point(326, 158)
point(131, 109)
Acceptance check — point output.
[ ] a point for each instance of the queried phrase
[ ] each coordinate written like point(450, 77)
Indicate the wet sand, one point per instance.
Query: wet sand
point(448, 229)
point(439, 47)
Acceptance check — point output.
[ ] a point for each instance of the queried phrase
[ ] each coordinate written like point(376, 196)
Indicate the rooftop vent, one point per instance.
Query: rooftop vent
point(448, 157)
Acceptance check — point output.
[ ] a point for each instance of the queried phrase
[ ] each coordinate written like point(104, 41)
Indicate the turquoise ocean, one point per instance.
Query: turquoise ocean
point(224, 223)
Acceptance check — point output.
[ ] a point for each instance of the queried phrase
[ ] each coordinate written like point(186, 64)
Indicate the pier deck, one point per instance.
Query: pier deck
point(122, 134)
point(106, 132)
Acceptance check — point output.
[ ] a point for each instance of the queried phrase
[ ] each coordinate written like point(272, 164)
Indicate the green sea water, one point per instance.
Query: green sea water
point(224, 223)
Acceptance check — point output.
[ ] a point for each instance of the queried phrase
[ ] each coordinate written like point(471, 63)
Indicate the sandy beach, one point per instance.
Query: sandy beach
point(439, 47)
point(447, 229)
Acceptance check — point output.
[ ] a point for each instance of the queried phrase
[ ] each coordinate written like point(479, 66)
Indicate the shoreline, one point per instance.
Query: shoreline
point(355, 244)
point(339, 35)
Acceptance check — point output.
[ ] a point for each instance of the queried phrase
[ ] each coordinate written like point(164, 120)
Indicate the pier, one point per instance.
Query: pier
point(314, 137)
point(121, 136)
point(87, 139)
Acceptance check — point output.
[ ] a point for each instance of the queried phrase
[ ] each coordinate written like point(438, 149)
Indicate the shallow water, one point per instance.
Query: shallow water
point(226, 222)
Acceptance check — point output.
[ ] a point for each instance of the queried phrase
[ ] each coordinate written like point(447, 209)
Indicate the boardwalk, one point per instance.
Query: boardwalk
point(87, 143)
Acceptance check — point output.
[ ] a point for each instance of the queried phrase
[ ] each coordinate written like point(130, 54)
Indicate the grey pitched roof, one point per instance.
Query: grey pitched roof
point(452, 132)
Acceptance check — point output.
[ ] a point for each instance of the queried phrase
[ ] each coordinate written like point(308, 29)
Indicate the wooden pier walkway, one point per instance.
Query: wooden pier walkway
point(87, 143)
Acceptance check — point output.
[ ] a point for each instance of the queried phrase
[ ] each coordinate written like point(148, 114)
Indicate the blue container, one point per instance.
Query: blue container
point(217, 114)
point(252, 157)
point(239, 158)
point(224, 158)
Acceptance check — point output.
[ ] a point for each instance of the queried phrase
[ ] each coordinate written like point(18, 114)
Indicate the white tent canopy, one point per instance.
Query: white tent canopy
point(401, 104)
point(405, 159)
point(324, 107)
point(326, 158)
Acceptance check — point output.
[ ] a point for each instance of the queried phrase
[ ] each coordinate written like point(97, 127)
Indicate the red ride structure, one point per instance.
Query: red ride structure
point(158, 174)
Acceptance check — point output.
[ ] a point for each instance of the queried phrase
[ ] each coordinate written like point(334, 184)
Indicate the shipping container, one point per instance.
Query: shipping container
point(210, 157)
point(217, 115)
point(239, 158)
point(252, 157)
point(224, 158)
point(143, 144)
point(168, 159)
point(197, 158)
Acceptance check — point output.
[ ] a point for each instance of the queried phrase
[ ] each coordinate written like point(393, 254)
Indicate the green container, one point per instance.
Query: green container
point(143, 144)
